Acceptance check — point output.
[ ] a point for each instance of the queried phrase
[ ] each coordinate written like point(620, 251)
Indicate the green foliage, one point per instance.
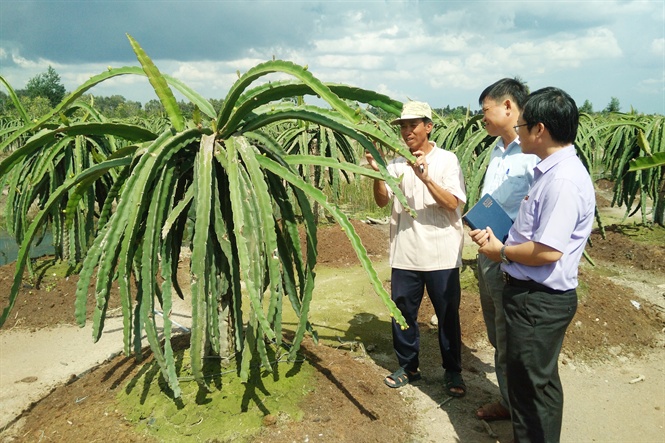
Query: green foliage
point(236, 182)
point(612, 106)
point(457, 113)
point(48, 156)
point(46, 85)
point(648, 162)
point(609, 144)
point(5, 102)
point(471, 144)
point(356, 198)
point(36, 106)
point(116, 106)
point(304, 138)
point(587, 107)
point(225, 178)
point(9, 125)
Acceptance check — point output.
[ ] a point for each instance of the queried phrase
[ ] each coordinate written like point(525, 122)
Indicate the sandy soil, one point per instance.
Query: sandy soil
point(612, 366)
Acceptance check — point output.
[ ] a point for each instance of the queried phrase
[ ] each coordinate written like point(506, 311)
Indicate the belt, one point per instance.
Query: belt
point(529, 284)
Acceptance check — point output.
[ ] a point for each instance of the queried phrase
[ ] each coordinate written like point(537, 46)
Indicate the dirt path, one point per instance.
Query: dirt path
point(602, 405)
point(34, 362)
point(621, 400)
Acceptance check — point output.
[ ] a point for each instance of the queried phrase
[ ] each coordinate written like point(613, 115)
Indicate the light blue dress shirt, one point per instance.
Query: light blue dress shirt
point(509, 175)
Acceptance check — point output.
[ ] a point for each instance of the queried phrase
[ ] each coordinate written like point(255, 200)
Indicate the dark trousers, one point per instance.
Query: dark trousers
point(536, 323)
point(444, 291)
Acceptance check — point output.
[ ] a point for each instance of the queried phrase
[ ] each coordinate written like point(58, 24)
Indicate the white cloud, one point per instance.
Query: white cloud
point(390, 31)
point(658, 47)
point(204, 75)
point(384, 89)
point(653, 86)
point(363, 62)
point(452, 73)
point(441, 52)
point(568, 50)
point(358, 44)
point(24, 63)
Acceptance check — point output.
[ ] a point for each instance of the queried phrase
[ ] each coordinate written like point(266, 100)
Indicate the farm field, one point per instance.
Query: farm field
point(616, 338)
point(226, 185)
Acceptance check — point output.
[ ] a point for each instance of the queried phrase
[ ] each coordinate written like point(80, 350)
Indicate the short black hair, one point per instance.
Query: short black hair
point(427, 121)
point(555, 109)
point(512, 88)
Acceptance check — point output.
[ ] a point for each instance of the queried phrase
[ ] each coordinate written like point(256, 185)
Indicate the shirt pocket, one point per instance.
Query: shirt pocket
point(526, 219)
point(511, 192)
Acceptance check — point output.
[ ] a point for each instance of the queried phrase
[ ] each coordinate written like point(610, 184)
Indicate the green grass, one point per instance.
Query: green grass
point(357, 199)
point(649, 234)
point(344, 309)
point(230, 412)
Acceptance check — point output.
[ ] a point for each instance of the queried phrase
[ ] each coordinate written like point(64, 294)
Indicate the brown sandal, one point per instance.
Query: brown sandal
point(493, 411)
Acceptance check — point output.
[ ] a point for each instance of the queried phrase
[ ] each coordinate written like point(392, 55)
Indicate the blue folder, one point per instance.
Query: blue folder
point(487, 212)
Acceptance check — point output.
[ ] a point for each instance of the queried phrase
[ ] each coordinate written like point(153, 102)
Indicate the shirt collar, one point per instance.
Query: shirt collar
point(512, 145)
point(548, 163)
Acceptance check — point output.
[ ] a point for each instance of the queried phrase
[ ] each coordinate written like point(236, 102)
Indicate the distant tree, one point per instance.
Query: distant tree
point(117, 106)
point(36, 107)
point(47, 85)
point(5, 103)
point(587, 107)
point(187, 108)
point(128, 109)
point(109, 105)
point(154, 108)
point(380, 113)
point(458, 112)
point(613, 105)
point(216, 104)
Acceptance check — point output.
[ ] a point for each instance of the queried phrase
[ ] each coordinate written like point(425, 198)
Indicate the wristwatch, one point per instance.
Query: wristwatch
point(504, 259)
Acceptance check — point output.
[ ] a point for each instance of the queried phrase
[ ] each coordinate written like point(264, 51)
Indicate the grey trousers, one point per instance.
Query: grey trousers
point(536, 322)
point(490, 286)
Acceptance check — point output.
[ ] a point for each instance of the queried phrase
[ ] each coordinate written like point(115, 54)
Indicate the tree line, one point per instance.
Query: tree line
point(45, 90)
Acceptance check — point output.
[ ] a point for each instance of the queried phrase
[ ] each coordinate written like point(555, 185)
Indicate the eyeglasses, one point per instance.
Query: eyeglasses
point(517, 128)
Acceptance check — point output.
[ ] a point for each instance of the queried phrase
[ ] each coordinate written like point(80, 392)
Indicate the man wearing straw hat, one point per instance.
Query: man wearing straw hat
point(426, 251)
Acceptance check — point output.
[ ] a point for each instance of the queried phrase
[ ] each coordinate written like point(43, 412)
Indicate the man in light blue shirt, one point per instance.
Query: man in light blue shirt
point(541, 258)
point(507, 179)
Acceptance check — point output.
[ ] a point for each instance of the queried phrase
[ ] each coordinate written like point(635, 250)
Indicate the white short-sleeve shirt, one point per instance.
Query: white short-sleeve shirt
point(435, 238)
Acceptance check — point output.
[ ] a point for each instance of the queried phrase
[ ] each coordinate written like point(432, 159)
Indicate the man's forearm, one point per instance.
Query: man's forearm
point(380, 193)
point(532, 254)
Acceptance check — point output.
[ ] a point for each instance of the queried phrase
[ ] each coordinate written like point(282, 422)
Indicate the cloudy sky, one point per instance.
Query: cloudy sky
point(443, 52)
